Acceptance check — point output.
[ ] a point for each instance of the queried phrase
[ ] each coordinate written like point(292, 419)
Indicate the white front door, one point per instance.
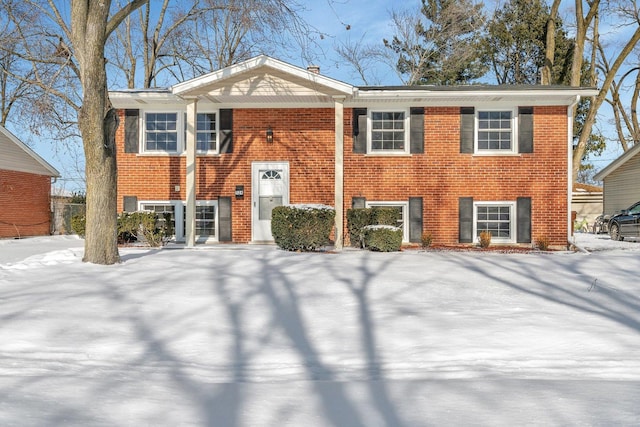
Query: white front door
point(269, 188)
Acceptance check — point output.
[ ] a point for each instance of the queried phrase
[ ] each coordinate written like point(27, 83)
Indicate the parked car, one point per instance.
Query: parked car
point(625, 223)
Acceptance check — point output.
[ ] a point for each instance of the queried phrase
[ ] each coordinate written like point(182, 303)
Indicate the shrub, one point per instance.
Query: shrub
point(385, 216)
point(426, 239)
point(543, 243)
point(359, 218)
point(484, 239)
point(302, 227)
point(143, 226)
point(78, 224)
point(382, 238)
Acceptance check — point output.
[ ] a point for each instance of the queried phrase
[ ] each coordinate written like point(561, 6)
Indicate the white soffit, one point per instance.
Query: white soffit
point(17, 156)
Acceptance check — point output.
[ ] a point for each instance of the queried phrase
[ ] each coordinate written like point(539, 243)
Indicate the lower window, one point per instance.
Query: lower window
point(160, 209)
point(403, 209)
point(205, 221)
point(497, 218)
point(206, 217)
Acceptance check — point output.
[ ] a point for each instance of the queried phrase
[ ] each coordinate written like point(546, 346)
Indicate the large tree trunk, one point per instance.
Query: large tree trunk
point(550, 48)
point(97, 124)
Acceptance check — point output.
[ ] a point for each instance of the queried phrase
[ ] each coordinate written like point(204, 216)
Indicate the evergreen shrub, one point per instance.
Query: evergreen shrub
point(382, 238)
point(359, 218)
point(302, 227)
point(141, 226)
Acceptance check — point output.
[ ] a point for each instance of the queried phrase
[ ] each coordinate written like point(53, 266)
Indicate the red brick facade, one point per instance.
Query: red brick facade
point(25, 198)
point(305, 138)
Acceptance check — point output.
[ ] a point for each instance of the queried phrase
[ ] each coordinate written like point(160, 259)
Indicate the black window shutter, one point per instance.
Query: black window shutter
point(465, 212)
point(358, 202)
point(523, 220)
point(525, 130)
point(131, 136)
point(224, 219)
point(416, 131)
point(359, 124)
point(129, 203)
point(415, 219)
point(467, 129)
point(226, 131)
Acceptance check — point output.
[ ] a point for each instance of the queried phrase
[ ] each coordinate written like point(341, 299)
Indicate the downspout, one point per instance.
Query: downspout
point(570, 119)
point(339, 170)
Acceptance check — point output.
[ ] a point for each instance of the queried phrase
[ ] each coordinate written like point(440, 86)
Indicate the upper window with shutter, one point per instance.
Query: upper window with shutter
point(501, 131)
point(165, 132)
point(495, 130)
point(388, 132)
point(161, 132)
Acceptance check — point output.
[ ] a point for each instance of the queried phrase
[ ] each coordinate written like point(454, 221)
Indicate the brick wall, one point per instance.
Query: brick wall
point(304, 138)
point(25, 201)
point(442, 175)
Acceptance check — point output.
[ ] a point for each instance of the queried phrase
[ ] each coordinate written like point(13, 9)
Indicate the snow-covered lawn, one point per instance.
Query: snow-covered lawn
point(249, 335)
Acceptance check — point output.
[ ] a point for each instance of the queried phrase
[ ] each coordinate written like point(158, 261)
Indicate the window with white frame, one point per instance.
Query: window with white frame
point(206, 217)
point(161, 132)
point(161, 208)
point(495, 131)
point(388, 131)
point(498, 218)
point(206, 133)
point(206, 213)
point(403, 208)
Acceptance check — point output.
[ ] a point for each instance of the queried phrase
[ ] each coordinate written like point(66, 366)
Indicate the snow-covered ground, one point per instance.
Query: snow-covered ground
point(248, 335)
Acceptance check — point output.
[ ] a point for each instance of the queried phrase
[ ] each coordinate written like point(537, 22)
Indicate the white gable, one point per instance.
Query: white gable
point(16, 156)
point(262, 80)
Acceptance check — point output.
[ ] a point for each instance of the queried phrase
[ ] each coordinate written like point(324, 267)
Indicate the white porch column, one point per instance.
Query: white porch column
point(339, 170)
point(190, 211)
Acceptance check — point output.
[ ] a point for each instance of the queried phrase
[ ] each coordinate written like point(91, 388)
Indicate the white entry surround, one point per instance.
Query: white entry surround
point(269, 188)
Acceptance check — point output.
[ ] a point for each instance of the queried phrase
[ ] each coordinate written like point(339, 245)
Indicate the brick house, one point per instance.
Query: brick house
point(219, 151)
point(25, 189)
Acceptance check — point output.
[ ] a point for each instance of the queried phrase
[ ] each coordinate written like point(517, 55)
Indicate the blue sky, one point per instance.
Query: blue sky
point(368, 20)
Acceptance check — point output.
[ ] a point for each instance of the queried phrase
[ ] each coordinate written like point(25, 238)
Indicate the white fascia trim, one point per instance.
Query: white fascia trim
point(536, 97)
point(142, 99)
point(254, 63)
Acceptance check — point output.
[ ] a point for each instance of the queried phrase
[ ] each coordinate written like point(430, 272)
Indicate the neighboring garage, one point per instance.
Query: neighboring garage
point(25, 189)
point(621, 181)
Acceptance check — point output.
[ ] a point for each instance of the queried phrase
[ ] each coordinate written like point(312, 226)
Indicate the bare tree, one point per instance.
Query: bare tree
point(365, 59)
point(439, 45)
point(625, 115)
point(627, 14)
point(181, 40)
point(550, 45)
point(65, 50)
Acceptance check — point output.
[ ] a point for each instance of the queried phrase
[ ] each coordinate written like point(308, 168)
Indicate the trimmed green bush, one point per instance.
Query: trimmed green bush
point(385, 216)
point(382, 238)
point(359, 218)
point(302, 227)
point(142, 226)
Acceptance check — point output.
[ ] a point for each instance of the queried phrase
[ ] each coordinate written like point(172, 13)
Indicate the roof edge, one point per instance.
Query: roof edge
point(54, 172)
point(607, 170)
point(254, 63)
